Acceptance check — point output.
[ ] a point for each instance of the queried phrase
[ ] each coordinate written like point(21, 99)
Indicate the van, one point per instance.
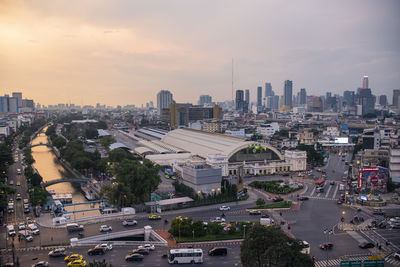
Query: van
point(320, 190)
point(218, 251)
point(11, 230)
point(72, 227)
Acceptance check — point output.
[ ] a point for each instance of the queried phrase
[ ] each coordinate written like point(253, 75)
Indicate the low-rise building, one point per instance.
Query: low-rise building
point(203, 178)
point(268, 129)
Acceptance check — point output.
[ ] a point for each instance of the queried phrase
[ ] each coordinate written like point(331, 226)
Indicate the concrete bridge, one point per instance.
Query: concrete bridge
point(66, 180)
point(40, 144)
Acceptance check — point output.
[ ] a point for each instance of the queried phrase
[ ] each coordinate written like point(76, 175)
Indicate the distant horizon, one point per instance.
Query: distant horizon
point(125, 52)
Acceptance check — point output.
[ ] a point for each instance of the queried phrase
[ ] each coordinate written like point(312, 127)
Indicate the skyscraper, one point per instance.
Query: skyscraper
point(205, 99)
point(247, 100)
point(239, 100)
point(365, 82)
point(383, 100)
point(259, 98)
point(288, 93)
point(303, 96)
point(18, 95)
point(164, 99)
point(349, 98)
point(396, 94)
point(268, 90)
point(367, 101)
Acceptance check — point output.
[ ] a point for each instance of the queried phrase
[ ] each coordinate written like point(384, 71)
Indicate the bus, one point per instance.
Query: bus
point(320, 182)
point(306, 248)
point(186, 255)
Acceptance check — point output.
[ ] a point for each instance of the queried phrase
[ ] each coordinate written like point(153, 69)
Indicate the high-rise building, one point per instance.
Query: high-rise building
point(239, 100)
point(288, 94)
point(18, 95)
point(383, 100)
point(395, 100)
point(275, 102)
point(365, 82)
point(349, 98)
point(247, 100)
point(164, 99)
point(259, 98)
point(303, 96)
point(367, 101)
point(268, 90)
point(205, 99)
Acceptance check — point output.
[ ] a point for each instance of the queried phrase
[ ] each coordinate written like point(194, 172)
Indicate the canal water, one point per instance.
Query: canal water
point(48, 167)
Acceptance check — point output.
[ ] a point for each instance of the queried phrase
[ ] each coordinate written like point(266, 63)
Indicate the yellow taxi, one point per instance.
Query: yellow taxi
point(77, 263)
point(154, 217)
point(73, 257)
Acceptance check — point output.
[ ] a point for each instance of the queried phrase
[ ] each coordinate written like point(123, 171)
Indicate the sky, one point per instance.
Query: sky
point(124, 51)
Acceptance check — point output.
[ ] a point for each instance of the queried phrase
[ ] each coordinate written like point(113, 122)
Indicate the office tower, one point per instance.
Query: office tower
point(383, 100)
point(365, 82)
point(164, 99)
point(288, 93)
point(328, 94)
point(396, 94)
point(259, 98)
point(367, 101)
point(349, 98)
point(18, 95)
point(247, 100)
point(303, 96)
point(275, 102)
point(268, 90)
point(239, 100)
point(205, 99)
point(3, 104)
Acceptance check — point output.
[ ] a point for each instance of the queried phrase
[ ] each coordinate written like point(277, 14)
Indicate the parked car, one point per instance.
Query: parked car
point(34, 229)
point(218, 251)
point(224, 208)
point(134, 257)
point(41, 264)
point(326, 245)
point(366, 245)
point(21, 226)
point(129, 222)
point(148, 247)
point(73, 257)
point(154, 217)
point(107, 247)
point(59, 252)
point(105, 228)
point(77, 263)
point(96, 251)
point(26, 235)
point(142, 251)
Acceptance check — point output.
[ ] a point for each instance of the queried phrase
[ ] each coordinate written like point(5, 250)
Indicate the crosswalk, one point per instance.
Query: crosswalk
point(336, 262)
point(331, 192)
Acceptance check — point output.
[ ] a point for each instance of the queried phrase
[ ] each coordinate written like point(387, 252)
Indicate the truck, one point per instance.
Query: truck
point(266, 221)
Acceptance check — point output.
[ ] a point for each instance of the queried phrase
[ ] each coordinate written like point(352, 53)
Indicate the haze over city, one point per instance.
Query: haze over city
point(124, 52)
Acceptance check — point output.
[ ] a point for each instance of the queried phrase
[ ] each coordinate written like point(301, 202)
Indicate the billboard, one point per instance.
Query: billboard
point(341, 140)
point(373, 179)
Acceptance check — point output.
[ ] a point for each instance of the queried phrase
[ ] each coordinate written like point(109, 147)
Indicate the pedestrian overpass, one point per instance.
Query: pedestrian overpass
point(39, 144)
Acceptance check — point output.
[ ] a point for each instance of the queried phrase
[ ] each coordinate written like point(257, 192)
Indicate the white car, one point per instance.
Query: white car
point(396, 255)
point(105, 228)
point(106, 247)
point(21, 226)
point(147, 246)
point(34, 229)
point(224, 208)
point(218, 220)
point(129, 222)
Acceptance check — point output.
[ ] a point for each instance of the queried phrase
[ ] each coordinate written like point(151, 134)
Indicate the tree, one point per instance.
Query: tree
point(59, 142)
point(260, 202)
point(270, 246)
point(91, 133)
point(51, 130)
point(106, 141)
point(118, 155)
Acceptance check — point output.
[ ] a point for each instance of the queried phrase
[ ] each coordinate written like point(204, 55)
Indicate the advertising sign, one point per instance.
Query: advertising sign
point(373, 179)
point(341, 140)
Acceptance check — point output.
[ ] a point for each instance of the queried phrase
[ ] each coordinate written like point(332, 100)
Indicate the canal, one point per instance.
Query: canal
point(47, 165)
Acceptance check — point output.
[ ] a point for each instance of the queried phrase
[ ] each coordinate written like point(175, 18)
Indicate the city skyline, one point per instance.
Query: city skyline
point(115, 55)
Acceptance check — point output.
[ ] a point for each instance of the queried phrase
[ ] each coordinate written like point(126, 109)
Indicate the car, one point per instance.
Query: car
point(21, 226)
point(11, 201)
point(217, 220)
point(129, 222)
point(11, 182)
point(26, 201)
point(77, 263)
point(134, 257)
point(302, 198)
point(339, 202)
point(26, 235)
point(255, 212)
point(224, 208)
point(326, 245)
point(40, 264)
point(277, 199)
point(142, 251)
point(148, 247)
point(218, 251)
point(73, 257)
point(96, 251)
point(33, 228)
point(265, 216)
point(154, 217)
point(18, 197)
point(18, 183)
point(105, 228)
point(396, 255)
point(59, 252)
point(366, 245)
point(332, 182)
point(107, 247)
